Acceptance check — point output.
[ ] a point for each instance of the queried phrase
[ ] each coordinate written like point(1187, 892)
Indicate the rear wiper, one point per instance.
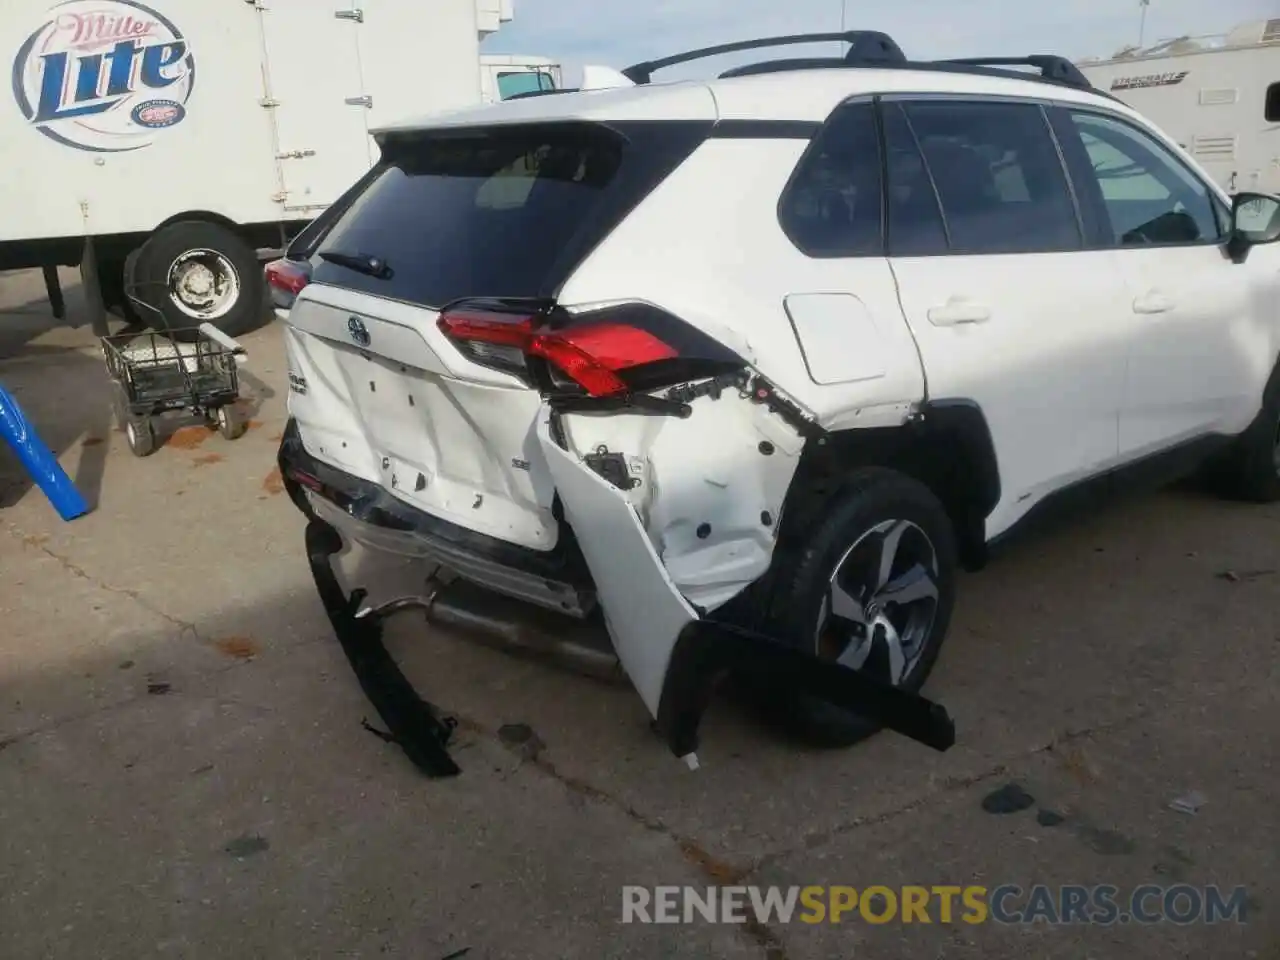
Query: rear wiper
point(373, 266)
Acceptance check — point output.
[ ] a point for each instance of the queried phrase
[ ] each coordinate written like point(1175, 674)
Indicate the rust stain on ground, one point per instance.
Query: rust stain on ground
point(253, 425)
point(36, 540)
point(188, 438)
point(273, 483)
point(726, 874)
point(207, 458)
point(715, 869)
point(91, 441)
point(277, 438)
point(241, 648)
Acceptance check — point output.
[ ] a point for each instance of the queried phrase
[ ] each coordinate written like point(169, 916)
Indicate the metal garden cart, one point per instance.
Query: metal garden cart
point(165, 370)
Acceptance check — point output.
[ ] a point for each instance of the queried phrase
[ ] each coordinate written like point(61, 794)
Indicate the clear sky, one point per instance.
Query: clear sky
point(620, 32)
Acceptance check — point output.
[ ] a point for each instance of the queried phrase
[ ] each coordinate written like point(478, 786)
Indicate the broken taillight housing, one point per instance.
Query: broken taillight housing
point(605, 352)
point(285, 280)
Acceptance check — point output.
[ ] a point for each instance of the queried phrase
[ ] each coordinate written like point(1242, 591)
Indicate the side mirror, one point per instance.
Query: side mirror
point(1255, 220)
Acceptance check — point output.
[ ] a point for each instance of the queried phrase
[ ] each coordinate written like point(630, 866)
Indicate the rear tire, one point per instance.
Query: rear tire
point(194, 272)
point(879, 513)
point(1251, 469)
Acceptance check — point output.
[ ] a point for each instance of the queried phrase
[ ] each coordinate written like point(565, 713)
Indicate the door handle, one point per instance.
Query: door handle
point(1152, 302)
point(957, 311)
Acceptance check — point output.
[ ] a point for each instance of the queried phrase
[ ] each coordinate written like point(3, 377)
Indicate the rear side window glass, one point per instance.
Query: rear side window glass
point(832, 207)
point(1273, 103)
point(472, 216)
point(998, 176)
point(915, 220)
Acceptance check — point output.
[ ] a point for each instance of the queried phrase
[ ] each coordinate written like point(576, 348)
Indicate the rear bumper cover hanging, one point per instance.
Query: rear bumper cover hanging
point(413, 723)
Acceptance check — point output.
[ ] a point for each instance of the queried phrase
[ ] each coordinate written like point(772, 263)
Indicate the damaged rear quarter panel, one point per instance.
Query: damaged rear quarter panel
point(710, 487)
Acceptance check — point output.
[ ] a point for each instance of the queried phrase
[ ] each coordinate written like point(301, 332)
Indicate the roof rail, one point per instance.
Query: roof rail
point(865, 46)
point(870, 48)
point(1051, 67)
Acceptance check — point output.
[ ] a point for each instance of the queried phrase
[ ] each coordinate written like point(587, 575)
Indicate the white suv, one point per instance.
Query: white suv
point(756, 363)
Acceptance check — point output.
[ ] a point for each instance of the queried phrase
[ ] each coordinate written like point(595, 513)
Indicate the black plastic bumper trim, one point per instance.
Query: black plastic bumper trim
point(706, 648)
point(413, 723)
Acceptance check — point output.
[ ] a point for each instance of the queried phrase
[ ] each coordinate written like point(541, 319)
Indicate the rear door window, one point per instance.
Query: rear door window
point(997, 174)
point(480, 215)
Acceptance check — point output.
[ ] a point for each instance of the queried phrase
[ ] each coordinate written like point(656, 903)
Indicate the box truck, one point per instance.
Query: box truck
point(1219, 97)
point(169, 146)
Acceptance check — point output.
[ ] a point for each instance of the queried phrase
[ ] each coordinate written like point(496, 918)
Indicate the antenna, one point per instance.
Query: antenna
point(1142, 22)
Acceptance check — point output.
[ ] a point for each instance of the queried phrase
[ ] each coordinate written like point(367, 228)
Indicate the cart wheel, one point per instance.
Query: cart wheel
point(120, 407)
point(141, 436)
point(231, 422)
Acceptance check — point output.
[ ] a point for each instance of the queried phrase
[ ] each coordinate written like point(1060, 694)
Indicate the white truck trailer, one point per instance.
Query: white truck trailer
point(176, 143)
point(1219, 97)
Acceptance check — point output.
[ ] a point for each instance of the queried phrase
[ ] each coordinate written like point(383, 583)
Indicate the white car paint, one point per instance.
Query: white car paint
point(646, 611)
point(413, 415)
point(729, 289)
point(1045, 358)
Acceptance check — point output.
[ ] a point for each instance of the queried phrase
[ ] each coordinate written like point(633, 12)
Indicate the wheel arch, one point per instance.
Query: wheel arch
point(946, 445)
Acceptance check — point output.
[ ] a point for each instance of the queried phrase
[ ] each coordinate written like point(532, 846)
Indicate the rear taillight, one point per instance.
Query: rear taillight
point(603, 353)
point(285, 280)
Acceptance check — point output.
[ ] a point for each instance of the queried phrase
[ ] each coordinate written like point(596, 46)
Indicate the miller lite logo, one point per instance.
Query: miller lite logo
point(104, 75)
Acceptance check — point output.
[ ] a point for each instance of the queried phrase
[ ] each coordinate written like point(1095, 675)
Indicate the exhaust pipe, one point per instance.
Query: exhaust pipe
point(514, 628)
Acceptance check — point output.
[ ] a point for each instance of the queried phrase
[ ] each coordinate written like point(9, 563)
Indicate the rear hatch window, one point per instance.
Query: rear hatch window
point(502, 212)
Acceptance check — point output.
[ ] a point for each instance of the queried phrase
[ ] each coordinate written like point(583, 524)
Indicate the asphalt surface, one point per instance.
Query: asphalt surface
point(184, 771)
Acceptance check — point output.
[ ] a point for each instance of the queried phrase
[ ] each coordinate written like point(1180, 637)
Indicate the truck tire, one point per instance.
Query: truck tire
point(194, 272)
point(883, 539)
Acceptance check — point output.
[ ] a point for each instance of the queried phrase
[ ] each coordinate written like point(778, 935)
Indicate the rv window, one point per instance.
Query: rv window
point(1150, 196)
point(1273, 103)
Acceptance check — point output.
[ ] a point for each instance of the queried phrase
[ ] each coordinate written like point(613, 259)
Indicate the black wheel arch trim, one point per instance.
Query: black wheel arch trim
point(706, 649)
point(945, 443)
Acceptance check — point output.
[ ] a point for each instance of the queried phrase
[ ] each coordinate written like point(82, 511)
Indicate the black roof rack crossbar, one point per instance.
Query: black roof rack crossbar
point(864, 46)
point(1051, 67)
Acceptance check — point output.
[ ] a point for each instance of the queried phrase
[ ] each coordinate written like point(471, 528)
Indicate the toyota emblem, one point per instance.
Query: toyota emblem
point(359, 332)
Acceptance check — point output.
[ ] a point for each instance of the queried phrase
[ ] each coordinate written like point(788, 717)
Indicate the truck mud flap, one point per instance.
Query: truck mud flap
point(413, 723)
point(707, 648)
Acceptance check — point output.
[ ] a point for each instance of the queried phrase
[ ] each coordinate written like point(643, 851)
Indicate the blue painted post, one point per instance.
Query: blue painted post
point(40, 462)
